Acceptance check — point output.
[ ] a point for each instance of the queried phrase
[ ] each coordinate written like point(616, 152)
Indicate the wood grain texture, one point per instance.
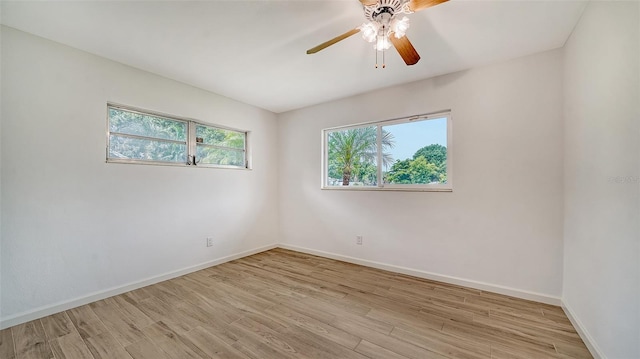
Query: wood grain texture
point(405, 49)
point(368, 2)
point(30, 341)
point(285, 304)
point(70, 346)
point(417, 5)
point(336, 39)
point(6, 344)
point(57, 325)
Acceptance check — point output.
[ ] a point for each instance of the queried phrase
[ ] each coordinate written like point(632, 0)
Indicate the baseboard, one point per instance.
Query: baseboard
point(95, 296)
point(582, 331)
point(513, 292)
point(92, 297)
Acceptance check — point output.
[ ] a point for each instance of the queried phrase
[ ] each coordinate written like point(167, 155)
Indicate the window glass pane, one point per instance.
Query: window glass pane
point(220, 156)
point(351, 159)
point(133, 123)
point(420, 153)
point(219, 137)
point(121, 147)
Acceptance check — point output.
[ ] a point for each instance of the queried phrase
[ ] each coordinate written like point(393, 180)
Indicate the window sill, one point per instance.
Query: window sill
point(175, 164)
point(396, 189)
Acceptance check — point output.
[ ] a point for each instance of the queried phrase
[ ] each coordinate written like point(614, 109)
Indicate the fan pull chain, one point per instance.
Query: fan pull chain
point(384, 65)
point(375, 48)
point(376, 51)
point(384, 45)
point(381, 40)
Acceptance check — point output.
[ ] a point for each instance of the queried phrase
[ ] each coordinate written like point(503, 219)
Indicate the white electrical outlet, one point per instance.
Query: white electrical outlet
point(209, 241)
point(359, 240)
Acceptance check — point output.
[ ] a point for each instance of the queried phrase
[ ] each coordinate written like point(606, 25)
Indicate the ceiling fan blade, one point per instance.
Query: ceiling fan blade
point(333, 41)
point(368, 2)
point(417, 5)
point(405, 49)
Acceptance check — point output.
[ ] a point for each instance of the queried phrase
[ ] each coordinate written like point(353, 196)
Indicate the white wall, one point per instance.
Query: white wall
point(501, 225)
point(73, 224)
point(0, 172)
point(602, 177)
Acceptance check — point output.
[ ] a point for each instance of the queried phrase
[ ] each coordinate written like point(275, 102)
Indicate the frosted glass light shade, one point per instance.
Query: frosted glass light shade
point(400, 27)
point(382, 43)
point(369, 31)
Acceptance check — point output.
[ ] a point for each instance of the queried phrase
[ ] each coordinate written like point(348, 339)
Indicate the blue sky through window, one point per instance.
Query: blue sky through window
point(412, 136)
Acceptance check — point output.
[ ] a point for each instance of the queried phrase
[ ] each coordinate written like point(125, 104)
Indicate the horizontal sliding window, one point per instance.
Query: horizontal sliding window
point(139, 137)
point(404, 154)
point(219, 146)
point(142, 137)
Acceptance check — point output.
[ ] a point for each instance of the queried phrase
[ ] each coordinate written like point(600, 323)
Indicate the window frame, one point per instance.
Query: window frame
point(190, 143)
point(446, 187)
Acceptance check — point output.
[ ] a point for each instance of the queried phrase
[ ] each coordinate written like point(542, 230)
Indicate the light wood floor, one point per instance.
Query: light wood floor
point(284, 304)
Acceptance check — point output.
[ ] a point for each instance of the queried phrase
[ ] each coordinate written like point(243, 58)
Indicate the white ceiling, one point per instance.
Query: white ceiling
point(254, 51)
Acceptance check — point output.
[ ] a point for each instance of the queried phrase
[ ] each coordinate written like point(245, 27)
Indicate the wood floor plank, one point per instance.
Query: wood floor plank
point(424, 293)
point(400, 346)
point(86, 321)
point(297, 284)
point(209, 309)
point(320, 312)
point(364, 301)
point(455, 314)
point(159, 310)
point(137, 295)
point(341, 282)
point(317, 346)
point(212, 345)
point(376, 352)
point(345, 304)
point(441, 343)
point(302, 321)
point(296, 342)
point(173, 343)
point(130, 310)
point(146, 349)
point(408, 317)
point(235, 274)
point(284, 304)
point(535, 328)
point(57, 325)
point(507, 305)
point(529, 332)
point(499, 351)
point(70, 346)
point(573, 350)
point(7, 349)
point(361, 276)
point(105, 346)
point(263, 341)
point(30, 341)
point(120, 325)
point(535, 320)
point(238, 299)
point(485, 334)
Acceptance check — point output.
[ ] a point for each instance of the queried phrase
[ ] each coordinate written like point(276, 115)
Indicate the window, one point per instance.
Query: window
point(411, 153)
point(142, 137)
point(218, 146)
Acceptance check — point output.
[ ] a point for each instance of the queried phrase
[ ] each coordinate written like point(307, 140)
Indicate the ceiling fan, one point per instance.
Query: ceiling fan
point(384, 27)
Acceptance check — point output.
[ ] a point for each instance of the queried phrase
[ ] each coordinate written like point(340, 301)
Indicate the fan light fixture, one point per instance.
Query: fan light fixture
point(400, 27)
point(374, 31)
point(383, 23)
point(384, 28)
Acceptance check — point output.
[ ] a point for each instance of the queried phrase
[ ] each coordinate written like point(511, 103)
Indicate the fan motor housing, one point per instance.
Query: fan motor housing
point(386, 8)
